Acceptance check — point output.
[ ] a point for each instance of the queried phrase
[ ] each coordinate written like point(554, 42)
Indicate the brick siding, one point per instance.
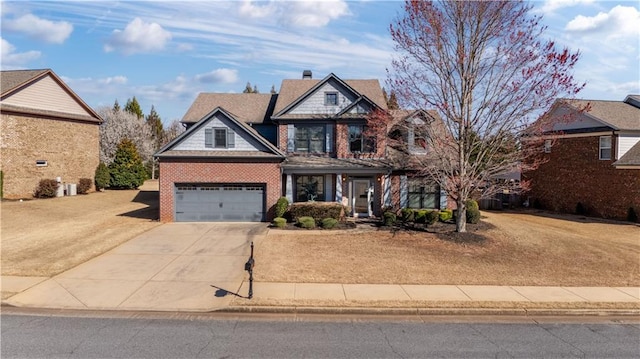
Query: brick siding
point(573, 174)
point(70, 148)
point(183, 171)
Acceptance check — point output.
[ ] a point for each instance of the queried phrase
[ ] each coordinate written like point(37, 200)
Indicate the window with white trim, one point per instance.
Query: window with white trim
point(605, 147)
point(547, 146)
point(219, 137)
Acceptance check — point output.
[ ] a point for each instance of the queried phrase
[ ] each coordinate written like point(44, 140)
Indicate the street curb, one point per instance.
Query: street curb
point(430, 311)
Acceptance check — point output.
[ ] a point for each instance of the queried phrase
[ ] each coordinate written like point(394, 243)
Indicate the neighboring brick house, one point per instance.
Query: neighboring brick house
point(46, 131)
point(308, 142)
point(592, 159)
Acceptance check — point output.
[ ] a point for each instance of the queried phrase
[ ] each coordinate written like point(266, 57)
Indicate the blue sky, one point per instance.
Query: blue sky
point(165, 53)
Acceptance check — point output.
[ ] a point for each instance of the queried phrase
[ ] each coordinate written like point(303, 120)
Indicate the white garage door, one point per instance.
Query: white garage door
point(219, 203)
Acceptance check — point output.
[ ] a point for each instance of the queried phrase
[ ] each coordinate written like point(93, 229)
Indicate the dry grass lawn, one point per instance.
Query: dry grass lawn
point(44, 237)
point(529, 248)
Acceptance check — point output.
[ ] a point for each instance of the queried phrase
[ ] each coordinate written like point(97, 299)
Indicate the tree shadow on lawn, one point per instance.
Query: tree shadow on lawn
point(152, 200)
point(446, 231)
point(566, 216)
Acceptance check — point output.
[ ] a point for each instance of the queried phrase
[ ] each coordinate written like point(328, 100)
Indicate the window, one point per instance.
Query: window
point(41, 163)
point(359, 141)
point(547, 146)
point(219, 138)
point(309, 188)
point(309, 138)
point(423, 195)
point(331, 98)
point(605, 147)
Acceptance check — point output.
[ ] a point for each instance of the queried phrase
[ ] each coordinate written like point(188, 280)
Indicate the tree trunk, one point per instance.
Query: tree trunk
point(461, 217)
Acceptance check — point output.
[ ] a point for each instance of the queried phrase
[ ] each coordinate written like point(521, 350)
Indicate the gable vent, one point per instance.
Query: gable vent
point(306, 74)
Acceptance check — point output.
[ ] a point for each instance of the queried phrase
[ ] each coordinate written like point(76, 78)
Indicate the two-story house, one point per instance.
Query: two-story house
point(591, 161)
point(309, 142)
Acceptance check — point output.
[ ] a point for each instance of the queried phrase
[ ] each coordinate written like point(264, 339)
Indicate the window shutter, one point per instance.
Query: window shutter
point(208, 137)
point(231, 138)
point(329, 138)
point(291, 135)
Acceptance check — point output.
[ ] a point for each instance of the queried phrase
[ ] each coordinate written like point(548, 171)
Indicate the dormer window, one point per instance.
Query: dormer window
point(331, 98)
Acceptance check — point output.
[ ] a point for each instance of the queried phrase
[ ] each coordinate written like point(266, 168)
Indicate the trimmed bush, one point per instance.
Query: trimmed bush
point(306, 222)
point(281, 206)
point(102, 176)
point(473, 216)
point(329, 223)
point(632, 216)
point(432, 217)
point(472, 204)
point(279, 222)
point(446, 215)
point(84, 185)
point(408, 215)
point(390, 218)
point(316, 210)
point(420, 216)
point(47, 188)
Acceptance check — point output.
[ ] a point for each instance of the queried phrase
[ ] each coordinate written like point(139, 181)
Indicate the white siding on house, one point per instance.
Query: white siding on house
point(243, 142)
point(46, 94)
point(625, 142)
point(315, 103)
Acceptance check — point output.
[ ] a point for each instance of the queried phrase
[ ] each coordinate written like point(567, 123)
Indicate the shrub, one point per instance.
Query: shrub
point(102, 176)
point(281, 206)
point(472, 204)
point(420, 216)
point(316, 210)
point(580, 209)
point(446, 215)
point(306, 222)
point(47, 188)
point(407, 215)
point(632, 216)
point(329, 223)
point(473, 215)
point(84, 185)
point(390, 218)
point(432, 217)
point(127, 170)
point(279, 222)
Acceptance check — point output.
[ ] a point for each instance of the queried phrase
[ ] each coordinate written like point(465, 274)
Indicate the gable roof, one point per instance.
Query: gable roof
point(630, 158)
point(166, 150)
point(13, 81)
point(293, 91)
point(618, 115)
point(245, 107)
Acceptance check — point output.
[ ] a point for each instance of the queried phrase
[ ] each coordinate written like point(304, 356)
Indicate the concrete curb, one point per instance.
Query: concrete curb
point(430, 311)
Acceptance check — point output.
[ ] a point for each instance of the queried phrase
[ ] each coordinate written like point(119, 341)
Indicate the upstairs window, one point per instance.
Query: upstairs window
point(331, 98)
point(359, 142)
point(219, 138)
point(310, 138)
point(547, 146)
point(605, 147)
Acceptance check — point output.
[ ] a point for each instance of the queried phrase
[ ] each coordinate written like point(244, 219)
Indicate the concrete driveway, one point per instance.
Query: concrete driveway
point(176, 266)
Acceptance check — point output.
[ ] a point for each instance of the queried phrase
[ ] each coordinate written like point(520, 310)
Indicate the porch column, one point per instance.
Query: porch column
point(289, 188)
point(386, 191)
point(339, 187)
point(404, 192)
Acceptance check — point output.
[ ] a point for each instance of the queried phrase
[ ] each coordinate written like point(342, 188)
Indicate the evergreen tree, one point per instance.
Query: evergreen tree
point(127, 170)
point(255, 89)
point(133, 107)
point(392, 103)
point(116, 106)
point(273, 89)
point(155, 122)
point(248, 88)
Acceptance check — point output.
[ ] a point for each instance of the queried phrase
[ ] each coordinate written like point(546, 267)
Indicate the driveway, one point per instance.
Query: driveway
point(175, 266)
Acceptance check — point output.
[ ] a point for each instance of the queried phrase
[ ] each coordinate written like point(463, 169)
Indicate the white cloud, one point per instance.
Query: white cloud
point(40, 29)
point(250, 10)
point(313, 13)
point(218, 76)
point(138, 37)
point(9, 59)
point(619, 21)
point(116, 80)
point(550, 6)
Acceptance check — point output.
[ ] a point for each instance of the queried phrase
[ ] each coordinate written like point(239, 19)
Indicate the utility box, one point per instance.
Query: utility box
point(71, 189)
point(60, 190)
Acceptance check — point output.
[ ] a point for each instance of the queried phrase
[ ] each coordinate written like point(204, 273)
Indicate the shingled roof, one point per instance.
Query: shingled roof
point(245, 107)
point(619, 115)
point(13, 79)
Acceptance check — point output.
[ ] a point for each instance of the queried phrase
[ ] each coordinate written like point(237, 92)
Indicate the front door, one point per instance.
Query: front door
point(361, 200)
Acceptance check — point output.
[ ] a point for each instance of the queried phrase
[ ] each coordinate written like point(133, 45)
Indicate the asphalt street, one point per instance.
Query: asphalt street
point(47, 336)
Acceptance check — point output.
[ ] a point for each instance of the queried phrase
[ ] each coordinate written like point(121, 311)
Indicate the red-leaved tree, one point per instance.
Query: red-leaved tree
point(486, 69)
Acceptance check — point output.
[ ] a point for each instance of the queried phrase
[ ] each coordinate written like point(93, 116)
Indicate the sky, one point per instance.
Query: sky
point(165, 53)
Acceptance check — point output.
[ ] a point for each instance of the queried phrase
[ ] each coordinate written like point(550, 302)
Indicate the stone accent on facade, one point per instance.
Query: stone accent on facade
point(194, 171)
point(573, 174)
point(70, 149)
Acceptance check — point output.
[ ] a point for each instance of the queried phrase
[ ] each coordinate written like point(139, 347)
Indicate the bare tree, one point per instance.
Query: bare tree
point(489, 74)
point(119, 125)
point(174, 130)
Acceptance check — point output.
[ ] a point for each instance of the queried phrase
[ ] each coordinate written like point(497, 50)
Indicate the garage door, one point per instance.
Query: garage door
point(219, 203)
